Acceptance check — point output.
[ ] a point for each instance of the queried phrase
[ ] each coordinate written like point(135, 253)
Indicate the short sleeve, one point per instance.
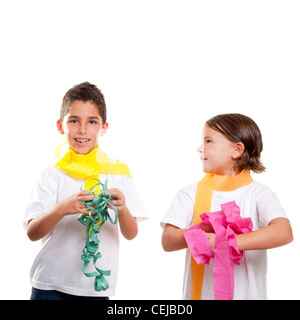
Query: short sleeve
point(42, 197)
point(133, 201)
point(181, 211)
point(269, 207)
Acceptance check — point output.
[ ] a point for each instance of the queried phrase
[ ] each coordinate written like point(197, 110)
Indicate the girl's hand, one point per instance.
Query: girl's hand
point(208, 229)
point(211, 239)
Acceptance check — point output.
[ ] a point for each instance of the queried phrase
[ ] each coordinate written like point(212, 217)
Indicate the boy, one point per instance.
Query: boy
point(56, 202)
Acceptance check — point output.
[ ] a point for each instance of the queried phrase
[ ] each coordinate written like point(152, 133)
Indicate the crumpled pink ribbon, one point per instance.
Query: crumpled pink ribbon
point(226, 223)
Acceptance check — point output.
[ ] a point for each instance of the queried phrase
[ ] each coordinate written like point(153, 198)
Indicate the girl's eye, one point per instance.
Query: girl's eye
point(73, 121)
point(93, 122)
point(208, 141)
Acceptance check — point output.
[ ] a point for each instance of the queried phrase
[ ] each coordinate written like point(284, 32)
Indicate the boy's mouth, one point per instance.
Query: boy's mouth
point(82, 141)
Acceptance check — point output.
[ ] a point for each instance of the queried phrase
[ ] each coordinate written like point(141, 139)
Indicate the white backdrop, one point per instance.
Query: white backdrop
point(164, 67)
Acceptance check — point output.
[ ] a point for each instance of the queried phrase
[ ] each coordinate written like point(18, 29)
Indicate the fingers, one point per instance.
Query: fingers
point(117, 203)
point(117, 199)
point(115, 193)
point(84, 195)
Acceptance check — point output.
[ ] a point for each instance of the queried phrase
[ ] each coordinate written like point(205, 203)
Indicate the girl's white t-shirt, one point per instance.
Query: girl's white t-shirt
point(58, 265)
point(256, 201)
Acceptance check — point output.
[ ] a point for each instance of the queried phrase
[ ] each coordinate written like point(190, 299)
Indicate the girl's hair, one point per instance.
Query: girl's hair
point(84, 92)
point(240, 128)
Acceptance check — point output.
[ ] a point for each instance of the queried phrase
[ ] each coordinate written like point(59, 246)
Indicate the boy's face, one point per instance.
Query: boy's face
point(82, 126)
point(218, 154)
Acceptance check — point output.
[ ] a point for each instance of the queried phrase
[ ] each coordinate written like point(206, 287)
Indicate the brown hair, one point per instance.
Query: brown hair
point(240, 128)
point(84, 92)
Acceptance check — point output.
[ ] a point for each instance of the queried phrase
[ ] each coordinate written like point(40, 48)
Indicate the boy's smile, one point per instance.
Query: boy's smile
point(82, 126)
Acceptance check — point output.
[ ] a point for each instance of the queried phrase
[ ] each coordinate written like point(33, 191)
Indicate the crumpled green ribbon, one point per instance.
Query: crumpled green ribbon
point(93, 222)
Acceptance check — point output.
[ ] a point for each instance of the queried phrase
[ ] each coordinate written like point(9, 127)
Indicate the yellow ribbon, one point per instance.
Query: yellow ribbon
point(87, 166)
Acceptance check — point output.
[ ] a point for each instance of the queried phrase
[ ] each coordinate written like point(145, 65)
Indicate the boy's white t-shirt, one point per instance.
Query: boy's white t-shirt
point(58, 265)
point(255, 201)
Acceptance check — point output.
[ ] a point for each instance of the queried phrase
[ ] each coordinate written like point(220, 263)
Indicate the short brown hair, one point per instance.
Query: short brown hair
point(84, 92)
point(240, 128)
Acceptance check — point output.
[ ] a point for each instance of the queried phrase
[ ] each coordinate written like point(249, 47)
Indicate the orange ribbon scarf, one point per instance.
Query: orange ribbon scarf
point(204, 193)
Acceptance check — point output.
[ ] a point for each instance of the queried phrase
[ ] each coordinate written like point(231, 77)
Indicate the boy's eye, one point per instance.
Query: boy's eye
point(93, 121)
point(73, 121)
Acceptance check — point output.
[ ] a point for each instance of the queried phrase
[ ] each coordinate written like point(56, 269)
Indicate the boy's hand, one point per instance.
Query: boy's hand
point(73, 205)
point(117, 199)
point(127, 222)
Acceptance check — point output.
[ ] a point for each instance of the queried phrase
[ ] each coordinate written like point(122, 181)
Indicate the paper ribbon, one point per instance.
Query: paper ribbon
point(81, 166)
point(93, 221)
point(227, 224)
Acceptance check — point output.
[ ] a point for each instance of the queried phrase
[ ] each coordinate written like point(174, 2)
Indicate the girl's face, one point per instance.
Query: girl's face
point(218, 154)
point(82, 126)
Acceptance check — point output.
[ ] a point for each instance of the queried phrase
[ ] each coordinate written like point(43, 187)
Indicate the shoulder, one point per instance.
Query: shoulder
point(180, 212)
point(260, 189)
point(118, 180)
point(51, 178)
point(53, 173)
point(185, 196)
point(260, 193)
point(267, 203)
point(188, 192)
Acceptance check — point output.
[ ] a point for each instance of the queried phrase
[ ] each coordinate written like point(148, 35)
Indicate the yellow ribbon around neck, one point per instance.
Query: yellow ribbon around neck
point(89, 166)
point(203, 199)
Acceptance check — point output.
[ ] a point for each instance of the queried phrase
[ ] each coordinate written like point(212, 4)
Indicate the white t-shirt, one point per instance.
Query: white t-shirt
point(255, 201)
point(58, 264)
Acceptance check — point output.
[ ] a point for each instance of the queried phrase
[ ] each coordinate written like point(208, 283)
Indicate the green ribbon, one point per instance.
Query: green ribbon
point(93, 222)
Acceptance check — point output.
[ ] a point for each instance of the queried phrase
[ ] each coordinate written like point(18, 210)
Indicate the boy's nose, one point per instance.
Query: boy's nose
point(82, 129)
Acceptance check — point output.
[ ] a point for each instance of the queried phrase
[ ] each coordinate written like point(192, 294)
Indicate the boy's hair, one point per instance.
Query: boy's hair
point(240, 128)
point(84, 92)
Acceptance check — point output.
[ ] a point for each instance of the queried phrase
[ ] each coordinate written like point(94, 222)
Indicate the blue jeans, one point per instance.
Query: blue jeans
point(38, 294)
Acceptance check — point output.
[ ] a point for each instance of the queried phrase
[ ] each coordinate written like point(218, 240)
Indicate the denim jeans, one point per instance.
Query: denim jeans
point(38, 294)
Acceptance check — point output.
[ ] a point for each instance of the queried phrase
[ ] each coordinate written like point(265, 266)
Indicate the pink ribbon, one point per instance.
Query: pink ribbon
point(226, 224)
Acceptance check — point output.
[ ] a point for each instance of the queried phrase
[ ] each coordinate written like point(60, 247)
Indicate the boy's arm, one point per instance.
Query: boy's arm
point(128, 223)
point(38, 227)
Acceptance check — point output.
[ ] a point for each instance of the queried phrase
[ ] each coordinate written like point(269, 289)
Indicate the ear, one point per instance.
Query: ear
point(60, 127)
point(238, 150)
point(104, 129)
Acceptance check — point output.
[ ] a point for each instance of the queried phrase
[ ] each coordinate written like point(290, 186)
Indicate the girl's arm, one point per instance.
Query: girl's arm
point(172, 238)
point(276, 234)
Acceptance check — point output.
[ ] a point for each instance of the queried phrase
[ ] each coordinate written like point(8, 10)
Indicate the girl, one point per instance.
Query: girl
point(231, 148)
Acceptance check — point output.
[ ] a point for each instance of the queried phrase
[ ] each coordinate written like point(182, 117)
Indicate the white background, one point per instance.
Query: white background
point(165, 67)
